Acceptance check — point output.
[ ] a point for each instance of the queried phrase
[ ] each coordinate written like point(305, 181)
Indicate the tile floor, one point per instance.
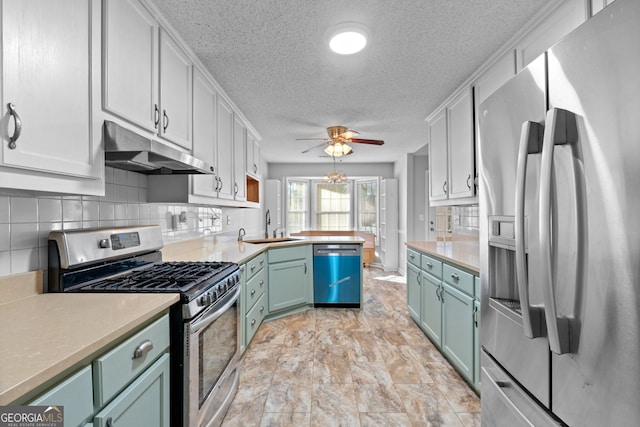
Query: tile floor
point(350, 367)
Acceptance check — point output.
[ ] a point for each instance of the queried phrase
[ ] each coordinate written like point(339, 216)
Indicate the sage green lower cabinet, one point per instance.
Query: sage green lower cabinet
point(457, 329)
point(253, 306)
point(431, 311)
point(75, 395)
point(444, 301)
point(290, 277)
point(145, 402)
point(120, 387)
point(413, 292)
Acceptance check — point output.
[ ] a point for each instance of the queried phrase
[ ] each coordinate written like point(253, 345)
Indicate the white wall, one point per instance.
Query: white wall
point(281, 170)
point(401, 173)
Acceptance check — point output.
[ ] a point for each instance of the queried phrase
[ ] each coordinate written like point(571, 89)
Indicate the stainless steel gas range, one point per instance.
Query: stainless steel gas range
point(204, 325)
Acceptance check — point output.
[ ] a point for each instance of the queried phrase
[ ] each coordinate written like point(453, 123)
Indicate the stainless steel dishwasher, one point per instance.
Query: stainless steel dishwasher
point(337, 275)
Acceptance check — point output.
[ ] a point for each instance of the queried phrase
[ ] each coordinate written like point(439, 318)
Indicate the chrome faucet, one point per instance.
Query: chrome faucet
point(241, 233)
point(267, 222)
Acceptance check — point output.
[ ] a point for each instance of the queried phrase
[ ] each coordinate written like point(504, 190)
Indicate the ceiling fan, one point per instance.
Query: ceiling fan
point(336, 144)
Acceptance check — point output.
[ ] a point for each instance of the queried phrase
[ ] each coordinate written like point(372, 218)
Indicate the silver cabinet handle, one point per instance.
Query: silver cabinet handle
point(412, 256)
point(253, 292)
point(109, 422)
point(530, 143)
point(469, 179)
point(429, 265)
point(560, 129)
point(305, 268)
point(220, 182)
point(262, 261)
point(18, 125)
point(255, 168)
point(261, 283)
point(261, 308)
point(455, 277)
point(475, 316)
point(156, 116)
point(418, 280)
point(143, 348)
point(165, 121)
point(253, 267)
point(235, 188)
point(253, 322)
point(444, 187)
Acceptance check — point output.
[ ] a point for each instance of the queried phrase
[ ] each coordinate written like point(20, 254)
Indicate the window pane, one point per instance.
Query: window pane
point(297, 206)
point(333, 206)
point(368, 207)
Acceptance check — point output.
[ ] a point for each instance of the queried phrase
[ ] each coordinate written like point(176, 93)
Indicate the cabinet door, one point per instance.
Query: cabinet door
point(175, 92)
point(50, 78)
point(204, 131)
point(130, 67)
point(457, 330)
point(476, 344)
point(438, 156)
point(461, 146)
point(431, 308)
point(144, 403)
point(413, 292)
point(253, 155)
point(288, 284)
point(224, 141)
point(239, 145)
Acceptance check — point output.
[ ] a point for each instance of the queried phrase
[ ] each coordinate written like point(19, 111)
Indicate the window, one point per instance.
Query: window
point(297, 205)
point(314, 204)
point(333, 206)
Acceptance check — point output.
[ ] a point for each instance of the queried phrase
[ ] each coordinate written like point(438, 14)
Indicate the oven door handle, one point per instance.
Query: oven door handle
point(208, 318)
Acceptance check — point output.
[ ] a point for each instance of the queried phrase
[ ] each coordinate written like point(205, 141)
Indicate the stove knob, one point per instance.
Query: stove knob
point(205, 299)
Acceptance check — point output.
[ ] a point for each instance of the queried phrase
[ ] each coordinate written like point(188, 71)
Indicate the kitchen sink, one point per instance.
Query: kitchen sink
point(271, 240)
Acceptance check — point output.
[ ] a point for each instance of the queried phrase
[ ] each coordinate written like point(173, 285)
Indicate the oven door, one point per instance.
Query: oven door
point(211, 361)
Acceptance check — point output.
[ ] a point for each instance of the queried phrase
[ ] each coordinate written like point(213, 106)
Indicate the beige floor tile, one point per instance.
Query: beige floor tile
point(334, 405)
point(351, 367)
point(378, 398)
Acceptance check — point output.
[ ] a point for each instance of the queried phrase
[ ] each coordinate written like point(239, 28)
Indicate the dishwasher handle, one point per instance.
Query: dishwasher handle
point(336, 250)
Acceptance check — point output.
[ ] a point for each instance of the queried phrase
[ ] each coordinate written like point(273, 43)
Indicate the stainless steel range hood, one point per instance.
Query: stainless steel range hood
point(124, 149)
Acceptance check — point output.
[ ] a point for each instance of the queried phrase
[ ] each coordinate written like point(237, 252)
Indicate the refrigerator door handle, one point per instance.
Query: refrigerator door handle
point(530, 143)
point(560, 129)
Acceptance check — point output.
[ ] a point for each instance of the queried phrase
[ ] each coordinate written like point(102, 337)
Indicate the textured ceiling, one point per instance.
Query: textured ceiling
point(271, 58)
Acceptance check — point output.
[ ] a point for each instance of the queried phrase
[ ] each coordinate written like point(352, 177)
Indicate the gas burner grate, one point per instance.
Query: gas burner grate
point(164, 277)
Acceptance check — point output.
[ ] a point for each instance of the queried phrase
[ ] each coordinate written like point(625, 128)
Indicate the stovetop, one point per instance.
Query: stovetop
point(187, 278)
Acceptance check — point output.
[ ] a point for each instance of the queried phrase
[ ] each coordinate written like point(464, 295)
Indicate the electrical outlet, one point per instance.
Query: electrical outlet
point(228, 219)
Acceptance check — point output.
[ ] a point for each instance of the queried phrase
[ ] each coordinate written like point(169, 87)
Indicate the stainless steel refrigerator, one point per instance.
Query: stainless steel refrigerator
point(559, 153)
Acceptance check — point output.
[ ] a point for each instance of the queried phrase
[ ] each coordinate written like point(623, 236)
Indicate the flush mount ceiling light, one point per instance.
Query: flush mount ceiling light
point(348, 38)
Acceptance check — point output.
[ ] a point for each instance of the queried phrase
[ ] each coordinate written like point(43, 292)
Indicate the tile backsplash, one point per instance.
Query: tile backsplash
point(457, 223)
point(25, 220)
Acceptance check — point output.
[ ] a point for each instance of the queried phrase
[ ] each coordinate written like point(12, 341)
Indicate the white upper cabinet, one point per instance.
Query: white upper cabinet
point(147, 76)
point(239, 174)
point(569, 15)
point(175, 92)
point(495, 76)
point(461, 146)
point(224, 139)
point(50, 91)
point(130, 63)
point(253, 155)
point(451, 150)
point(438, 156)
point(204, 132)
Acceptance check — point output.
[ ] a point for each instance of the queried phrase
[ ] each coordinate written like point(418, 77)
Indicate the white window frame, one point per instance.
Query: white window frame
point(314, 203)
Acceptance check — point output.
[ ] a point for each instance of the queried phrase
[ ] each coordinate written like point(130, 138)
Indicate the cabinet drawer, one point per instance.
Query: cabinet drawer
point(74, 394)
point(254, 317)
point(413, 257)
point(458, 279)
point(117, 368)
point(287, 254)
point(254, 265)
point(432, 266)
point(255, 288)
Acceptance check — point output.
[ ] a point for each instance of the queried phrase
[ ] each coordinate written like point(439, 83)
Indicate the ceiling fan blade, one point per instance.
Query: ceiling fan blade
point(313, 148)
point(312, 139)
point(367, 141)
point(348, 134)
